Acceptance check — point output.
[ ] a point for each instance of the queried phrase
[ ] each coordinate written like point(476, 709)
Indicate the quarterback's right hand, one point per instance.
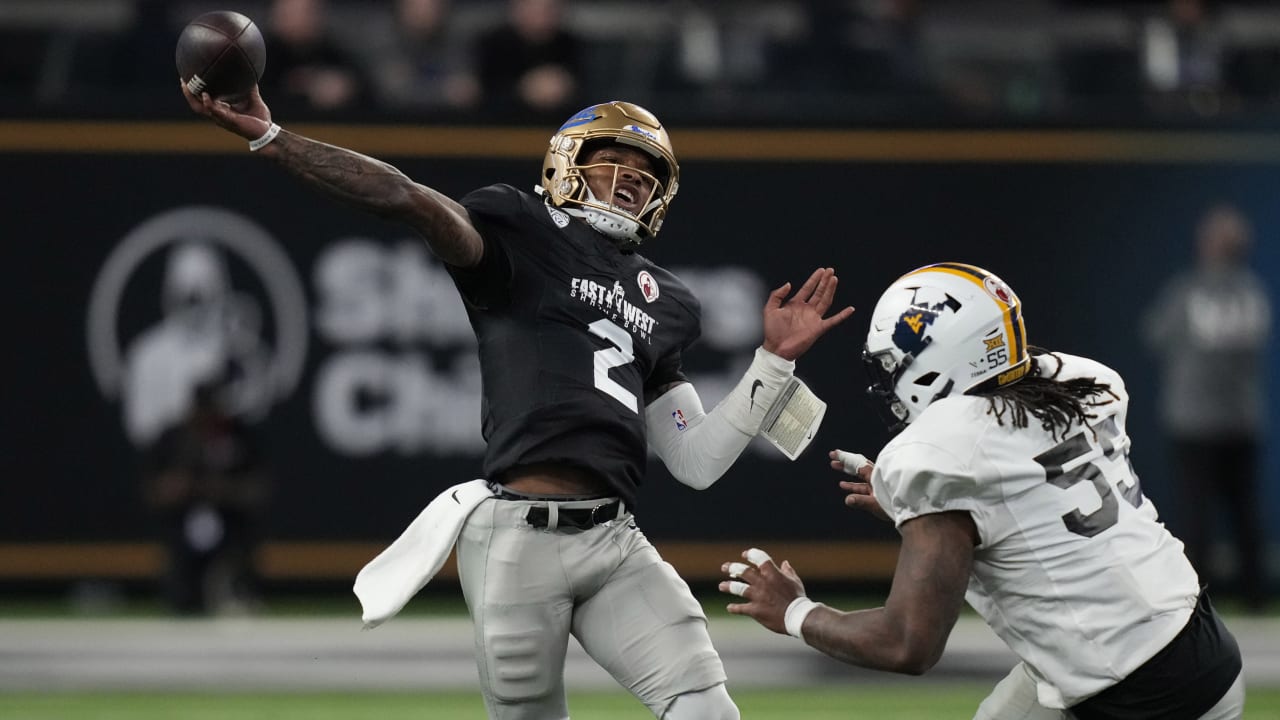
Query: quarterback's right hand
point(250, 118)
point(860, 494)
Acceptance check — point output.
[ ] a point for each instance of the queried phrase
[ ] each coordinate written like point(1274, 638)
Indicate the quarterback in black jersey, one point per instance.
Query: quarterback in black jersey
point(580, 342)
point(570, 303)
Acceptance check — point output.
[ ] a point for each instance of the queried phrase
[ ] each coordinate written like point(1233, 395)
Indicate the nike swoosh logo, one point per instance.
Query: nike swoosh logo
point(754, 387)
point(455, 497)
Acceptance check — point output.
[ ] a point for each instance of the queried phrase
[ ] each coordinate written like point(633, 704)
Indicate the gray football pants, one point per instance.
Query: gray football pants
point(528, 589)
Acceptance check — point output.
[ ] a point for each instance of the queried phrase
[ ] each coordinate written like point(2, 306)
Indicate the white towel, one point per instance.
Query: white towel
point(409, 563)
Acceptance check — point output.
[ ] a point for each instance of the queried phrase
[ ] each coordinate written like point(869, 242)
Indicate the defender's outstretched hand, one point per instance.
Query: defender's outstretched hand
point(768, 589)
point(249, 118)
point(791, 326)
point(860, 494)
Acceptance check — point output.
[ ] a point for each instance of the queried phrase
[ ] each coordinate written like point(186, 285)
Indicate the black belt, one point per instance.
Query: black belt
point(539, 516)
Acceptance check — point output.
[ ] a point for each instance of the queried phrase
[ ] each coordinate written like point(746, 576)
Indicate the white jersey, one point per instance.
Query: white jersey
point(1073, 570)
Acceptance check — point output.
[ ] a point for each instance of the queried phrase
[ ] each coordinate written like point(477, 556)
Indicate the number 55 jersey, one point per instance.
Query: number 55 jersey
point(573, 330)
point(1073, 569)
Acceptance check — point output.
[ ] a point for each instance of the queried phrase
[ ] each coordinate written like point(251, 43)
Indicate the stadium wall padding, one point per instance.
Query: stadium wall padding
point(1084, 226)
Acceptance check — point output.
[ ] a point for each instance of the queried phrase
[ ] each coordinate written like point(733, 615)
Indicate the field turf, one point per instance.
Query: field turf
point(898, 701)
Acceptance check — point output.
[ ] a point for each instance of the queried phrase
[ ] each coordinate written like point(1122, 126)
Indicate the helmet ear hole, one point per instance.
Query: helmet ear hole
point(549, 173)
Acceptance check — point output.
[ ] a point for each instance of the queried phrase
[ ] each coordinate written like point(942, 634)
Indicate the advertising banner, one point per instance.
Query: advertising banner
point(134, 276)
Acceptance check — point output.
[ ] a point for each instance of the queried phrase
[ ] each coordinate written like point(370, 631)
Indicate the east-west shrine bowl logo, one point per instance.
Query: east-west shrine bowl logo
point(195, 296)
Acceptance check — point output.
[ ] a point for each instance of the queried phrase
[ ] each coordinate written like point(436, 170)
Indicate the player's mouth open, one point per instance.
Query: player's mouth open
point(625, 198)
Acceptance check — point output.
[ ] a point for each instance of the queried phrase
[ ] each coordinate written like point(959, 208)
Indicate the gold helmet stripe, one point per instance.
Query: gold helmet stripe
point(1013, 324)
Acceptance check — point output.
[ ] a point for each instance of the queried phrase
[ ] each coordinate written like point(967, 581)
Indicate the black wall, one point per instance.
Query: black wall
point(1085, 244)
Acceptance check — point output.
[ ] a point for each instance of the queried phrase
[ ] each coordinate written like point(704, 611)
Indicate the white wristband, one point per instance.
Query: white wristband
point(797, 611)
point(268, 136)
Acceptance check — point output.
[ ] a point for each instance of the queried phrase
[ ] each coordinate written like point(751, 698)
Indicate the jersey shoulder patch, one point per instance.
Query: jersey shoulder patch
point(670, 286)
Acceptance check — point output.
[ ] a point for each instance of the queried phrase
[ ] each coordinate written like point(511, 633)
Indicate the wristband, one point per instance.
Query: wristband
point(797, 611)
point(268, 136)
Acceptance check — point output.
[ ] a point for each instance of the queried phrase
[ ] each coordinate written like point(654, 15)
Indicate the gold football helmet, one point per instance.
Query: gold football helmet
point(613, 122)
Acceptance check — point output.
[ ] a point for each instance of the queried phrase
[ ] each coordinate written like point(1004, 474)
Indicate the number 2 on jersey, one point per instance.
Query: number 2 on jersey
point(609, 358)
point(1054, 460)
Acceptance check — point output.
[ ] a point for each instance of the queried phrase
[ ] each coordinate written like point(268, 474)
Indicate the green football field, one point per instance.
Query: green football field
point(899, 701)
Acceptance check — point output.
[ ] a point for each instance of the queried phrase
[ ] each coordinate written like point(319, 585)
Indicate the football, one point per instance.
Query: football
point(221, 53)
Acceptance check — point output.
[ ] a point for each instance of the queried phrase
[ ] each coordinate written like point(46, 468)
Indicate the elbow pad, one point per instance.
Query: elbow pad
point(698, 447)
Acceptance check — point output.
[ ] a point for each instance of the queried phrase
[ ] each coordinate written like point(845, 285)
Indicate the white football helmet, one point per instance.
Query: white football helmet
point(565, 186)
point(940, 330)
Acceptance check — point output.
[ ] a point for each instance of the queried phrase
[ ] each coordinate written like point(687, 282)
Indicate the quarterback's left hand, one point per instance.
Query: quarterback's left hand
point(791, 326)
point(767, 588)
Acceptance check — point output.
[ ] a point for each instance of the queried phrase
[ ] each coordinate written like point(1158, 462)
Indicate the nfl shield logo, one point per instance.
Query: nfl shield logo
point(648, 286)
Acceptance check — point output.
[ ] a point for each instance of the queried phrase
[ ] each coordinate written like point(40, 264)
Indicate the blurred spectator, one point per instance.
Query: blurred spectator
point(306, 68)
point(888, 46)
point(994, 61)
point(1210, 327)
point(209, 488)
point(423, 63)
point(532, 63)
point(775, 60)
point(1183, 56)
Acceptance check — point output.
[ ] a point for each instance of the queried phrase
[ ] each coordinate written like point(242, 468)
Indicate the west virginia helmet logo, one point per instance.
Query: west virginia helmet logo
point(910, 332)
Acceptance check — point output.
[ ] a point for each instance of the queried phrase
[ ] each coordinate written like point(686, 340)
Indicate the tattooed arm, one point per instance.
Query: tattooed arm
point(357, 180)
point(378, 187)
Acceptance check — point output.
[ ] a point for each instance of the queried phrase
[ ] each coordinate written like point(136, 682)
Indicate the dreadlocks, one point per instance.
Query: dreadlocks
point(1055, 403)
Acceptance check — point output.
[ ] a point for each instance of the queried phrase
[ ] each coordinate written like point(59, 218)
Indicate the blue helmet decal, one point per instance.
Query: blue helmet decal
point(909, 332)
point(582, 118)
point(641, 131)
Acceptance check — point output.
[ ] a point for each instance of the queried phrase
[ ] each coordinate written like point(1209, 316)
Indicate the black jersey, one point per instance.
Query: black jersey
point(572, 332)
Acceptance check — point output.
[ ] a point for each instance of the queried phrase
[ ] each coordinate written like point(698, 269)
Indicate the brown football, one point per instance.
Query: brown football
point(221, 53)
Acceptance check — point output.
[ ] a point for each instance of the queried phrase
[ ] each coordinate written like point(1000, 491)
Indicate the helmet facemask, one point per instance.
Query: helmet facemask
point(602, 213)
point(884, 372)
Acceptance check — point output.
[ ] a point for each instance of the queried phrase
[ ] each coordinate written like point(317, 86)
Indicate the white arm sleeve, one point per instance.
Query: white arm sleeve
point(698, 447)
